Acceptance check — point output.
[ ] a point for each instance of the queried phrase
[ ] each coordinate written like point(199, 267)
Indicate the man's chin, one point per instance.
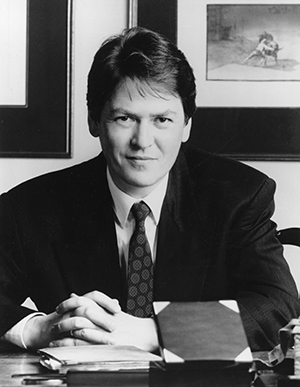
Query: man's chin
point(140, 186)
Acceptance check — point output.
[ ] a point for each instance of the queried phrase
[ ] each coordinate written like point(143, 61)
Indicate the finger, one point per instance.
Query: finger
point(83, 317)
point(72, 303)
point(97, 316)
point(110, 304)
point(72, 323)
point(68, 342)
point(101, 299)
point(93, 336)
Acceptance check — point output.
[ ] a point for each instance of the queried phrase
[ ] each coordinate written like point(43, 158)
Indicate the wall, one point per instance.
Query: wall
point(94, 20)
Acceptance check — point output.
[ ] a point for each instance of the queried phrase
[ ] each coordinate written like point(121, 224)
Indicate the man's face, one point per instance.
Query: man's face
point(140, 136)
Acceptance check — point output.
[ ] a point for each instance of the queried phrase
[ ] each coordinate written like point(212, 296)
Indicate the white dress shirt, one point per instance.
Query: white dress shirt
point(124, 224)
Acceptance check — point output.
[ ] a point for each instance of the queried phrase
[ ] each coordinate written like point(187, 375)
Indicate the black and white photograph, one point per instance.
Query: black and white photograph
point(149, 193)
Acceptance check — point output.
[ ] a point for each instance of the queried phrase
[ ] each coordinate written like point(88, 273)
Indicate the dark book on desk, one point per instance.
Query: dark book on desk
point(201, 334)
point(107, 379)
point(157, 378)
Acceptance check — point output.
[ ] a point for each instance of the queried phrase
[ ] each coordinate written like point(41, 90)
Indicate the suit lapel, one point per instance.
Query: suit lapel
point(90, 257)
point(184, 240)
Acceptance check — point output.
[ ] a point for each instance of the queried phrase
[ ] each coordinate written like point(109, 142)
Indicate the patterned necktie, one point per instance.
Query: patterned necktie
point(140, 266)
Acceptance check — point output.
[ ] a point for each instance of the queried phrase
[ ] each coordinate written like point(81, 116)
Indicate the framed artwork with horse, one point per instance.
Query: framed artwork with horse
point(247, 70)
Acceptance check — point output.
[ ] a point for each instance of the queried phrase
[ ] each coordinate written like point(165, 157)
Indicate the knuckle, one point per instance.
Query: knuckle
point(79, 322)
point(82, 333)
point(77, 312)
point(93, 294)
point(81, 311)
point(87, 312)
point(76, 324)
point(79, 300)
point(84, 310)
point(92, 313)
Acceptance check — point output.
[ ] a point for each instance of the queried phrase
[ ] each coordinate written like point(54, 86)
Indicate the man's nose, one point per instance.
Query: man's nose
point(143, 135)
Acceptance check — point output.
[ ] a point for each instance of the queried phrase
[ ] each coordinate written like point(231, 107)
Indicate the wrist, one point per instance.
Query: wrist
point(37, 332)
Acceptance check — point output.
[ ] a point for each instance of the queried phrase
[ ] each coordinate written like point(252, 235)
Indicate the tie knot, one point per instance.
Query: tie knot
point(140, 211)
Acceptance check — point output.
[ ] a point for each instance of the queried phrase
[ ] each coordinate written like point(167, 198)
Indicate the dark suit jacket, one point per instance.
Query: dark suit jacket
point(216, 241)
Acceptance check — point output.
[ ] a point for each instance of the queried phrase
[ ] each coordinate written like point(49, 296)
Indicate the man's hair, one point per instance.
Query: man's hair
point(143, 56)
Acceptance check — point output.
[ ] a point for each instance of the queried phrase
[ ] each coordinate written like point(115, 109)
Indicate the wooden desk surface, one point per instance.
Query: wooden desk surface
point(14, 362)
point(17, 363)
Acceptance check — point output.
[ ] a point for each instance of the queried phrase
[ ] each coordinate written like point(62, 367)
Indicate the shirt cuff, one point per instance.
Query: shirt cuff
point(15, 334)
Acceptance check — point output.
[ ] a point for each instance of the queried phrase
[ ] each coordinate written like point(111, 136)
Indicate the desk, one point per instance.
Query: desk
point(19, 362)
point(12, 362)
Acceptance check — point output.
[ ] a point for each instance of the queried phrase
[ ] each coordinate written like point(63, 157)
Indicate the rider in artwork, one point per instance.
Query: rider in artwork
point(264, 46)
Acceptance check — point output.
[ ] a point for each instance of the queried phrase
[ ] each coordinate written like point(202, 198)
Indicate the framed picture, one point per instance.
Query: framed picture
point(35, 78)
point(247, 71)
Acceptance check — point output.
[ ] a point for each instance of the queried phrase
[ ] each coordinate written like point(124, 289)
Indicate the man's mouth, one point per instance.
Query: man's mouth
point(140, 158)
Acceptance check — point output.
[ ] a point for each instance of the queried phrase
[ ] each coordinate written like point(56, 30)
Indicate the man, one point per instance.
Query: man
point(67, 237)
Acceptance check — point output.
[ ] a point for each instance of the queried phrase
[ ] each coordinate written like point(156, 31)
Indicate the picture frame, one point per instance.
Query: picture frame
point(41, 127)
point(233, 118)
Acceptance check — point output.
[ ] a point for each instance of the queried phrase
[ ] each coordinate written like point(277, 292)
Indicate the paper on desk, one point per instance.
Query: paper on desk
point(279, 353)
point(96, 357)
point(296, 332)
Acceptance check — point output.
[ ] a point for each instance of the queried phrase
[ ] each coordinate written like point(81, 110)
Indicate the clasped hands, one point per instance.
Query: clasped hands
point(93, 318)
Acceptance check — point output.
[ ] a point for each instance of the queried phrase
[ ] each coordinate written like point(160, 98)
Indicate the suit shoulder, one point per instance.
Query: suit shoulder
point(56, 182)
point(219, 171)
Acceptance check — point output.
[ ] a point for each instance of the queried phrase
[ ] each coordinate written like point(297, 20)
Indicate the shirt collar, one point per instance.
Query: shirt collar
point(123, 202)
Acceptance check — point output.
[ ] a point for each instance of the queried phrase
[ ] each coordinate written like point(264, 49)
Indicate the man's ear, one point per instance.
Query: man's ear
point(94, 126)
point(187, 131)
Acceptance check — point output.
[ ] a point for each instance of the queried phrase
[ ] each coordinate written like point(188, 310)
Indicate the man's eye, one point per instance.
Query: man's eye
point(163, 120)
point(123, 118)
point(125, 121)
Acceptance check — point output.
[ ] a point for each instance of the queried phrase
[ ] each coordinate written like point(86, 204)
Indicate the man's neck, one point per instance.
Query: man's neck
point(123, 201)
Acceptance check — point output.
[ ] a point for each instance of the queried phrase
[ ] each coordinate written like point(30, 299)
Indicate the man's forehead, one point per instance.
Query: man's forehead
point(135, 97)
point(146, 88)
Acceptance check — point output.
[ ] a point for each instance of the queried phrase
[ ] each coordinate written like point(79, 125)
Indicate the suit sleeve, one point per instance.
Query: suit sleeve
point(12, 270)
point(260, 277)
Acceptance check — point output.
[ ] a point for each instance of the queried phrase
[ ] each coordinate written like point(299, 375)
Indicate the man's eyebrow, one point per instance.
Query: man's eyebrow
point(128, 112)
point(118, 110)
point(166, 113)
